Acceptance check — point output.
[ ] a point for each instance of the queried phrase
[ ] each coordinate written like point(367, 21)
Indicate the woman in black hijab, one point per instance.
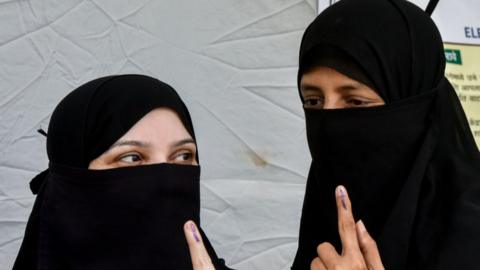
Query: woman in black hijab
point(411, 166)
point(120, 184)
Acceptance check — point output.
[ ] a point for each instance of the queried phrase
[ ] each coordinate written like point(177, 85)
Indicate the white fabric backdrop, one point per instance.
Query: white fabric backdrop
point(234, 63)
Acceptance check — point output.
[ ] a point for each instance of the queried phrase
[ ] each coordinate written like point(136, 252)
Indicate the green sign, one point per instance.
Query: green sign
point(453, 56)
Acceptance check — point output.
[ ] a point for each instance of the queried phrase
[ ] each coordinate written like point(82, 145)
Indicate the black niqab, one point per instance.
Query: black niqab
point(411, 167)
point(123, 218)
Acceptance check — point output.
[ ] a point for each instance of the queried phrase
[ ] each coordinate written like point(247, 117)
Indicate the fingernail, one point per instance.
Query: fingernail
point(343, 194)
point(194, 232)
point(362, 227)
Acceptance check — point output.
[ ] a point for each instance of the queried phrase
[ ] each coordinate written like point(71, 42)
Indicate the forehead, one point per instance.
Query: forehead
point(161, 125)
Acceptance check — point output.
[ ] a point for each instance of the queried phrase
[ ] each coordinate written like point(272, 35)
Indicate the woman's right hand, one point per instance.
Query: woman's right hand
point(200, 258)
point(359, 250)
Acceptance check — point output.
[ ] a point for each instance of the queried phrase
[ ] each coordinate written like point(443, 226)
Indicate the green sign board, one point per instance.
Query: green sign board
point(453, 56)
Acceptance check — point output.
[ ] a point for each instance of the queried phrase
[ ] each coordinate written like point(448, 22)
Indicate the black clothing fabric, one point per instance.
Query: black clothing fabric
point(127, 218)
point(411, 167)
point(395, 42)
point(329, 56)
point(122, 218)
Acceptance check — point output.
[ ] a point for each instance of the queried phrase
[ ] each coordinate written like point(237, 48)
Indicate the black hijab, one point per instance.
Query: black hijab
point(124, 218)
point(411, 167)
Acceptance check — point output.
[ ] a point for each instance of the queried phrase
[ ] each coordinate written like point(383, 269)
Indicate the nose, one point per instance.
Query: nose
point(157, 158)
point(332, 102)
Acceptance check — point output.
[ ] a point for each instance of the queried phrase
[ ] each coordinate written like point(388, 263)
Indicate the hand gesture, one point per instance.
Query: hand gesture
point(359, 250)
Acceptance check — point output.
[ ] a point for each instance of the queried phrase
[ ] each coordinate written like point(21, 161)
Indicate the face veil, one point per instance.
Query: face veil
point(411, 167)
point(123, 218)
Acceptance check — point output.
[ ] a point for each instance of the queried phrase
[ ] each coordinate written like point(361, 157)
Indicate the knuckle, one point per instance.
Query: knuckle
point(369, 243)
point(358, 265)
point(315, 264)
point(324, 248)
point(198, 264)
point(372, 242)
point(202, 263)
point(348, 225)
point(337, 266)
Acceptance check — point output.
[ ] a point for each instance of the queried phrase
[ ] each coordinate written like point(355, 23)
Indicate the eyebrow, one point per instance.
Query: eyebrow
point(182, 142)
point(347, 87)
point(146, 145)
point(131, 143)
point(350, 87)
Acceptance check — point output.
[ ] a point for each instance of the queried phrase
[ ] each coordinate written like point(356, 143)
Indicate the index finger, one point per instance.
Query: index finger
point(346, 223)
point(200, 258)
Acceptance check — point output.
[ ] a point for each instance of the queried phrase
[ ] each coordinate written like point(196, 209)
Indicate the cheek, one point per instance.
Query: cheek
point(98, 164)
point(105, 161)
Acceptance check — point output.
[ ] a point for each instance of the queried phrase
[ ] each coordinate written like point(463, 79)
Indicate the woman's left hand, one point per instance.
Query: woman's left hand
point(359, 250)
point(200, 258)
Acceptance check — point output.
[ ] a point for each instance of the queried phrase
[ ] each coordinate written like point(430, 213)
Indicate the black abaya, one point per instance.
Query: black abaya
point(123, 218)
point(411, 167)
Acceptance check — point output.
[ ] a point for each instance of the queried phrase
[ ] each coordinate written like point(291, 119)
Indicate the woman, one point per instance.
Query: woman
point(122, 181)
point(383, 121)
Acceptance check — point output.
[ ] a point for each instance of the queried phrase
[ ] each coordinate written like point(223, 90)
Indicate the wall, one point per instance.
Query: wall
point(234, 63)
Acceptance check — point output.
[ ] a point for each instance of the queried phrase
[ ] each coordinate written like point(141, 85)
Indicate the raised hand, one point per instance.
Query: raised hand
point(359, 250)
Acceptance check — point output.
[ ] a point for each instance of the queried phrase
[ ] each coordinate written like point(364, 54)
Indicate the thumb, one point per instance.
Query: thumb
point(200, 258)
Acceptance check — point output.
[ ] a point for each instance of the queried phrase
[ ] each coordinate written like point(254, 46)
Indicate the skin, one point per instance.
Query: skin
point(200, 258)
point(359, 250)
point(325, 88)
point(150, 142)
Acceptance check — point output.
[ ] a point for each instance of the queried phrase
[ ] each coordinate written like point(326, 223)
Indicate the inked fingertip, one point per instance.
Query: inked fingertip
point(342, 194)
point(340, 190)
point(194, 231)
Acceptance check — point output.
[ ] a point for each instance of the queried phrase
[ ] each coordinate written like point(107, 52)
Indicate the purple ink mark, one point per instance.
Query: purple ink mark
point(342, 198)
point(194, 232)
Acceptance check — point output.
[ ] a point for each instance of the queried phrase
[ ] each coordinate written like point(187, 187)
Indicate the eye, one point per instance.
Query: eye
point(131, 158)
point(184, 156)
point(313, 102)
point(355, 102)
